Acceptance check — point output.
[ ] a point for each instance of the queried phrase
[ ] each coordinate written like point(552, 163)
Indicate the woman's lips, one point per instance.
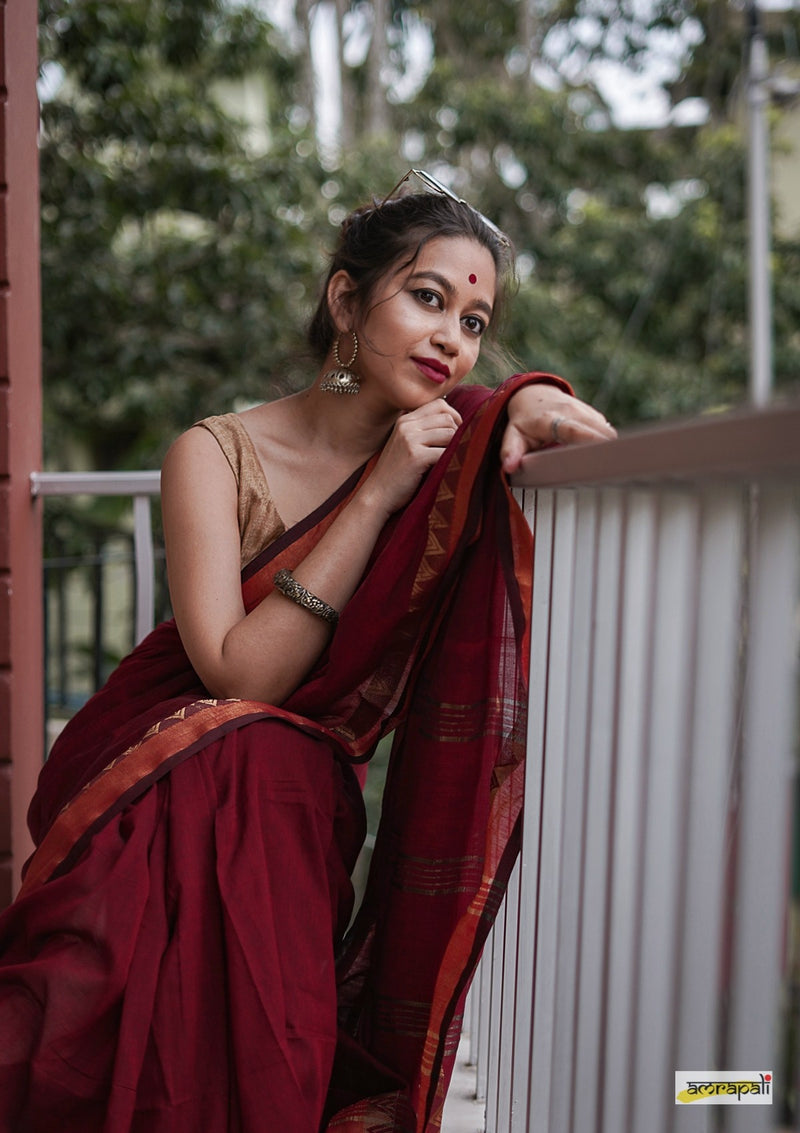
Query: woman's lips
point(432, 369)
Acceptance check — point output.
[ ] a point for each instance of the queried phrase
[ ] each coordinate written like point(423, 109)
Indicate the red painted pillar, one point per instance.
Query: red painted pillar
point(21, 652)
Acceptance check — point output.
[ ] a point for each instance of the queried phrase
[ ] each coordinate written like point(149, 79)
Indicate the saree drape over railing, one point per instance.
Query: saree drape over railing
point(169, 963)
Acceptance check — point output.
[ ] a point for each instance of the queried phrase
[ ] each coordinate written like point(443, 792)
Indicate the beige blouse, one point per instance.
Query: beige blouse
point(259, 522)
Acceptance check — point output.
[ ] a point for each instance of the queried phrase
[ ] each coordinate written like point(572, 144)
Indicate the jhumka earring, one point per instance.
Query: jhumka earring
point(342, 379)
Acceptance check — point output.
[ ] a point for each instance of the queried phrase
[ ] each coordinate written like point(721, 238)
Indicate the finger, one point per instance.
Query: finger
point(413, 424)
point(443, 408)
point(595, 429)
point(534, 408)
point(435, 436)
point(437, 422)
point(579, 430)
point(512, 449)
point(437, 407)
point(587, 417)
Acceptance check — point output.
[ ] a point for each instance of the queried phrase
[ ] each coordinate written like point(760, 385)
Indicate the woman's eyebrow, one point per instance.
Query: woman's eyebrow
point(448, 287)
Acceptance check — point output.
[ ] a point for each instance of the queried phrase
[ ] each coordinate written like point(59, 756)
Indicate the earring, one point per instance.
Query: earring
point(342, 379)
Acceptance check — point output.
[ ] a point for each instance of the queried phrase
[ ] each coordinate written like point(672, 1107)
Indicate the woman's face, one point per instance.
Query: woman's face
point(421, 333)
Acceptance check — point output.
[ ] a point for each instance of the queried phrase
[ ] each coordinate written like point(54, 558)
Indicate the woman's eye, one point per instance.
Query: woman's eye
point(474, 324)
point(430, 298)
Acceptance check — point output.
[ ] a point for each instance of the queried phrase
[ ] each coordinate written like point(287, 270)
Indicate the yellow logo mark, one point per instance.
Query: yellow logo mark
point(703, 1090)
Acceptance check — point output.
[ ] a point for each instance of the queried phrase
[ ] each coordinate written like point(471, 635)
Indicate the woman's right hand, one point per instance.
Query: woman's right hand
point(264, 654)
point(415, 444)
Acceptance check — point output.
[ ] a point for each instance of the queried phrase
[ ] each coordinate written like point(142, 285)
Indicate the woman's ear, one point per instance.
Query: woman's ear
point(341, 300)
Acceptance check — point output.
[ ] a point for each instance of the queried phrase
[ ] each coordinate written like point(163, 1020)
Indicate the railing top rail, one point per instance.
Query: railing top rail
point(95, 483)
point(734, 446)
point(739, 445)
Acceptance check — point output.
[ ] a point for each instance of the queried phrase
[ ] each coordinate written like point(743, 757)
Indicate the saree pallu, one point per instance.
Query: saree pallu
point(169, 963)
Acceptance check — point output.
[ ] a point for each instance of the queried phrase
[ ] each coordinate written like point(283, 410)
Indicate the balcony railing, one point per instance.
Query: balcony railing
point(100, 582)
point(651, 923)
point(141, 486)
point(650, 926)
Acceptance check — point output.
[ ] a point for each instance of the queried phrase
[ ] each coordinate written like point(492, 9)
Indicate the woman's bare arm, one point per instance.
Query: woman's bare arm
point(265, 654)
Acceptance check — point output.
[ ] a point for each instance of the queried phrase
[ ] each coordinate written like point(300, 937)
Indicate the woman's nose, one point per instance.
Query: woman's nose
point(447, 335)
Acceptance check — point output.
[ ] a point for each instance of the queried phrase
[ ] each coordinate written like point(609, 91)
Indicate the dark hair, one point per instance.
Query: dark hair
point(376, 240)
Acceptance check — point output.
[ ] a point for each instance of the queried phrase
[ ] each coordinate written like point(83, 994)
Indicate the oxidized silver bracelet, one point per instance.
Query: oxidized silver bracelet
point(285, 582)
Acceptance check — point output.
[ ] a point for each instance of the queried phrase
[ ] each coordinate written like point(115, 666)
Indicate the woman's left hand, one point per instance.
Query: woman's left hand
point(542, 415)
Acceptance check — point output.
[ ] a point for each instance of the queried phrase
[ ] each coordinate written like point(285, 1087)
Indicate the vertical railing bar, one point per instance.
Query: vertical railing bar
point(600, 778)
point(495, 1024)
point(63, 631)
point(484, 1019)
point(625, 869)
point(471, 1018)
point(580, 632)
point(145, 566)
point(541, 515)
point(765, 801)
point(508, 1005)
point(550, 890)
point(666, 752)
point(712, 742)
point(475, 1018)
point(98, 604)
point(46, 624)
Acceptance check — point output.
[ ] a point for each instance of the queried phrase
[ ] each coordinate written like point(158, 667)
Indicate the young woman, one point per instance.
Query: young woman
point(343, 563)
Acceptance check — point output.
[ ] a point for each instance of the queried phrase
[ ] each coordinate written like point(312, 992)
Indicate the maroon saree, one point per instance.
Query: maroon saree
point(170, 963)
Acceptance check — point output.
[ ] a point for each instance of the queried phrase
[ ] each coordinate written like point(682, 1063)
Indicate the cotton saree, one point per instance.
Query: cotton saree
point(175, 959)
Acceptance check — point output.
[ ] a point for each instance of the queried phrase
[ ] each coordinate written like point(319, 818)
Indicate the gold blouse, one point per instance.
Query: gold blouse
point(259, 522)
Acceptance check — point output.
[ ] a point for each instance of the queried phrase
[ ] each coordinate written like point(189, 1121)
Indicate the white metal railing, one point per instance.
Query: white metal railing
point(141, 486)
point(645, 927)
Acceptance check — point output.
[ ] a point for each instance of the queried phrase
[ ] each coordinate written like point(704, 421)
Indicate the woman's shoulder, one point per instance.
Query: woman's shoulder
point(224, 434)
point(195, 462)
point(227, 428)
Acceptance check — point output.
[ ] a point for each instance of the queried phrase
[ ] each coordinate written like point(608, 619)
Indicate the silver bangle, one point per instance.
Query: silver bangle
point(285, 582)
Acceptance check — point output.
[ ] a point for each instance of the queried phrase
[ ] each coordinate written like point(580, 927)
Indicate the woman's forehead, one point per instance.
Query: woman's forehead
point(467, 261)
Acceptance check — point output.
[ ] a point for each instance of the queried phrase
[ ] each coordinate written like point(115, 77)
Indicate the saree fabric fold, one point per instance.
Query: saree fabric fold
point(176, 958)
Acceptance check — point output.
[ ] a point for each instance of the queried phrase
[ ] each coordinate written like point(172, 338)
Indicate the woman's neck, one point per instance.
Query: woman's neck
point(341, 423)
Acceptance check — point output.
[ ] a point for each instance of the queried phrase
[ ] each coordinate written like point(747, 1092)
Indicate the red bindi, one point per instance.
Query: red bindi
point(473, 277)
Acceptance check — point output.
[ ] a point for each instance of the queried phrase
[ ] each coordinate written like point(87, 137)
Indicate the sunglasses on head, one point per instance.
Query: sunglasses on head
point(432, 185)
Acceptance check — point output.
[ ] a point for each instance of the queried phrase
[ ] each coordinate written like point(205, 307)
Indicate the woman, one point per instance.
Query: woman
point(343, 562)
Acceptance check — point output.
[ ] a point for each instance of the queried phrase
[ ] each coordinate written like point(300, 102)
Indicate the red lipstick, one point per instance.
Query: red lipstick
point(433, 369)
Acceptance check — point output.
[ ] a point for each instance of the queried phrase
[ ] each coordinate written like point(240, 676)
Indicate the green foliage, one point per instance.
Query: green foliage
point(654, 307)
point(182, 245)
point(173, 269)
point(636, 240)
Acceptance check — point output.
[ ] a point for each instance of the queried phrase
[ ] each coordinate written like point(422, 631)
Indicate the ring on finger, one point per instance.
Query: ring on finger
point(557, 422)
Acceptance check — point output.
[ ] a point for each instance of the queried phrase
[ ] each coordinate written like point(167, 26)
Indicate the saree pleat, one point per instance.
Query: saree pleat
point(171, 962)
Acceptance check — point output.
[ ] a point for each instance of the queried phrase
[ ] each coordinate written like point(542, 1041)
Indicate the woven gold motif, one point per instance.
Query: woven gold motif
point(436, 876)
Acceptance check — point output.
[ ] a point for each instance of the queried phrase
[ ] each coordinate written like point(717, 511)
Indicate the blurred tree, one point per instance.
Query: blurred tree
point(175, 232)
point(633, 243)
point(181, 244)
